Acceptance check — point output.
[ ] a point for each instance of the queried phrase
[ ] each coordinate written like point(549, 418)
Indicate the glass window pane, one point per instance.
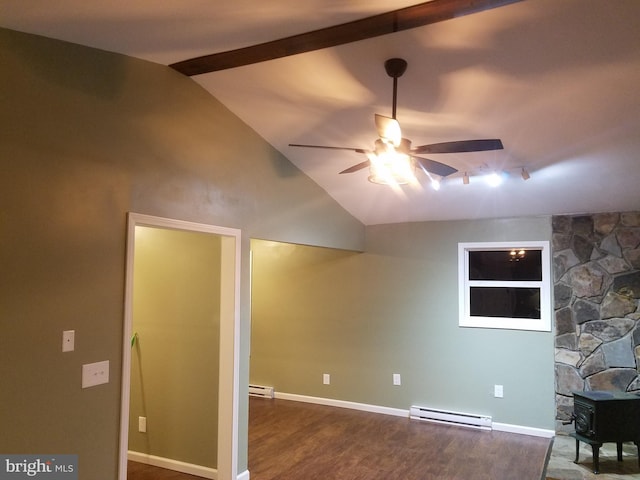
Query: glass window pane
point(507, 265)
point(505, 302)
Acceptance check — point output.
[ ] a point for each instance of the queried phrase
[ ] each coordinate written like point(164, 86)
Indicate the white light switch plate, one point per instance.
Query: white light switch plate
point(142, 424)
point(95, 374)
point(396, 379)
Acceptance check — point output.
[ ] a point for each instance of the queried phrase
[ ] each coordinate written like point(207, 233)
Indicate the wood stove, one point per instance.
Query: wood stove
point(603, 416)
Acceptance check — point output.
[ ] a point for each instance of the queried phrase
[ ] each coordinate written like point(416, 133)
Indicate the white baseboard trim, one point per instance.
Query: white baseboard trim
point(533, 431)
point(176, 465)
point(244, 475)
point(398, 412)
point(343, 404)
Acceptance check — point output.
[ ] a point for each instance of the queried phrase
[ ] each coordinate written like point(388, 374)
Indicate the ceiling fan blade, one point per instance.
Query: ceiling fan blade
point(434, 167)
point(357, 167)
point(388, 129)
point(357, 150)
point(460, 146)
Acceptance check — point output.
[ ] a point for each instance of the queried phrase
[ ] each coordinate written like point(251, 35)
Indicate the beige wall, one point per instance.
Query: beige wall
point(85, 137)
point(394, 309)
point(174, 360)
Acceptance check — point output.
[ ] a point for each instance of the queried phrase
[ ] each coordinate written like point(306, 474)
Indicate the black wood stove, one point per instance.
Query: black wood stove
point(602, 417)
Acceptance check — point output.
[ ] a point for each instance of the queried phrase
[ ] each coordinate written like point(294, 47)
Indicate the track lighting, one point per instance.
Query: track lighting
point(494, 177)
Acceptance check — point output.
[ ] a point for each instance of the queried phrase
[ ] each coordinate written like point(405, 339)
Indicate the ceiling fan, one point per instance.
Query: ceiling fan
point(393, 160)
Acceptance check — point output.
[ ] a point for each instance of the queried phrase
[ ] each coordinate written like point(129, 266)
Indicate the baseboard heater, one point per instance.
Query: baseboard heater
point(470, 420)
point(260, 391)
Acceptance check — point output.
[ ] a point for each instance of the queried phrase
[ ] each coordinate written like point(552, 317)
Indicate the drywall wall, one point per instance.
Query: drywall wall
point(175, 351)
point(394, 309)
point(85, 137)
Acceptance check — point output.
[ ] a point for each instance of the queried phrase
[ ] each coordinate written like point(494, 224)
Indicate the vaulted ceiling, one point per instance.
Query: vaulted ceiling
point(556, 80)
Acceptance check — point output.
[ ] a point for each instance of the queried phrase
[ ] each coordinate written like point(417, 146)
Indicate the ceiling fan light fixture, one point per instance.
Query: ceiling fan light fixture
point(393, 133)
point(525, 174)
point(390, 167)
point(389, 130)
point(465, 178)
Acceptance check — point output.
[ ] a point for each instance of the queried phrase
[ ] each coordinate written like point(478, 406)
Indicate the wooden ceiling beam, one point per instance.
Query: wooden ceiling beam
point(406, 18)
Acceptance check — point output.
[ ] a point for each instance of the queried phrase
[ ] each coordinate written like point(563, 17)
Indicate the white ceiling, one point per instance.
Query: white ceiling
point(557, 80)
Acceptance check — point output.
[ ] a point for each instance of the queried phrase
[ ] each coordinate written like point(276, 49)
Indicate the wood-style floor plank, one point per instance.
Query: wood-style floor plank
point(293, 441)
point(140, 471)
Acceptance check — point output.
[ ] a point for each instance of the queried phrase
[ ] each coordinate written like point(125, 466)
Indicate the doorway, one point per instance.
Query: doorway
point(224, 285)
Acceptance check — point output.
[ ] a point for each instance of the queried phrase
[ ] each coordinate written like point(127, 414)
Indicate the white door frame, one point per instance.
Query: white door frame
point(227, 468)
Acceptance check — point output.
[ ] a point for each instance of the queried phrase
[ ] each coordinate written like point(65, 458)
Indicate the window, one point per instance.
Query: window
point(504, 285)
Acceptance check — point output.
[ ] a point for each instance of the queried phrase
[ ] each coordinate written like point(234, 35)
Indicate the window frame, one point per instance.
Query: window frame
point(465, 319)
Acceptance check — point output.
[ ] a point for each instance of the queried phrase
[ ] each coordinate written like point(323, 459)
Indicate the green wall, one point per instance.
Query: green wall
point(175, 358)
point(85, 137)
point(394, 309)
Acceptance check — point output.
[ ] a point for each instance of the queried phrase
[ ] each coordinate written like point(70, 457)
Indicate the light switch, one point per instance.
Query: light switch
point(142, 424)
point(68, 340)
point(95, 374)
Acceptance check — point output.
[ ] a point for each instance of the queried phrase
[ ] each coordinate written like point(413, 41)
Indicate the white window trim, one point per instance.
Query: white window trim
point(543, 324)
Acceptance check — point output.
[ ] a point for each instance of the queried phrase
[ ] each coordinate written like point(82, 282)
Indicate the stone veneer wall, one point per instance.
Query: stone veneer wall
point(596, 263)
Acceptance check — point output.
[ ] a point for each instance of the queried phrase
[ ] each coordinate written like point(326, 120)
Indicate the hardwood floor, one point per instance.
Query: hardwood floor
point(140, 471)
point(291, 440)
point(301, 441)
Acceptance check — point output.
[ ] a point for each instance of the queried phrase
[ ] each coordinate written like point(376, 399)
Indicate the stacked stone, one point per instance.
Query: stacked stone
point(596, 263)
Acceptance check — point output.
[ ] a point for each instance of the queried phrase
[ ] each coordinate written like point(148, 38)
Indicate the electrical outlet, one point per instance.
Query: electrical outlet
point(142, 424)
point(95, 374)
point(498, 391)
point(326, 378)
point(396, 379)
point(68, 340)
